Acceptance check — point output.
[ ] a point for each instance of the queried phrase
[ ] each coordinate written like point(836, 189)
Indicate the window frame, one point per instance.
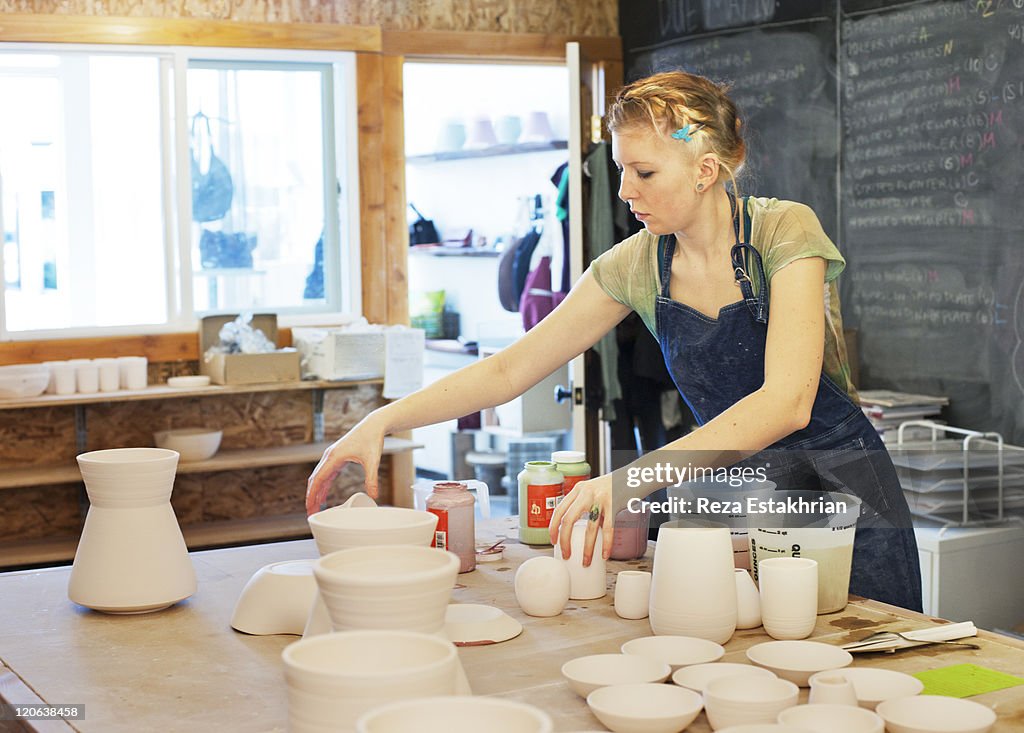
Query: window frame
point(341, 161)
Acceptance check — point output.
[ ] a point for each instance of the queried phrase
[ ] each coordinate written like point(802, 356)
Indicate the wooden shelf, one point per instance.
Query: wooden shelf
point(228, 460)
point(197, 537)
point(162, 391)
point(517, 149)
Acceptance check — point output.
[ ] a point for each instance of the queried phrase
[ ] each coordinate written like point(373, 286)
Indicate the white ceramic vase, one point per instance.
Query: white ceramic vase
point(748, 601)
point(693, 589)
point(131, 557)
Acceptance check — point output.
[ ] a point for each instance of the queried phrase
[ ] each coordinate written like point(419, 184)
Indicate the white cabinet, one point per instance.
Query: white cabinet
point(973, 574)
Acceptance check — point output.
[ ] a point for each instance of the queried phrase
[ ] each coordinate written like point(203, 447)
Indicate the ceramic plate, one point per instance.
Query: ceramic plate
point(471, 624)
point(188, 382)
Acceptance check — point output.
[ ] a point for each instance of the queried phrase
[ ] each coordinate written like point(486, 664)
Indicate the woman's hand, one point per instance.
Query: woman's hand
point(592, 499)
point(363, 444)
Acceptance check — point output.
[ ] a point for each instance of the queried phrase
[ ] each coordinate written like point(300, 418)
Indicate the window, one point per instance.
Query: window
point(142, 189)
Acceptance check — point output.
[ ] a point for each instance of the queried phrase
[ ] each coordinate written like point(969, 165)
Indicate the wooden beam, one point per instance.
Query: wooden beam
point(58, 28)
point(155, 347)
point(495, 46)
point(369, 87)
point(396, 230)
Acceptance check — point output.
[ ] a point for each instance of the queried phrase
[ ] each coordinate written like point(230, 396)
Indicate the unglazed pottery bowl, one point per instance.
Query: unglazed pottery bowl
point(833, 719)
point(744, 699)
point(586, 674)
point(935, 714)
point(192, 444)
point(796, 660)
point(645, 708)
point(457, 714)
point(675, 651)
point(696, 677)
point(873, 685)
point(276, 599)
point(342, 527)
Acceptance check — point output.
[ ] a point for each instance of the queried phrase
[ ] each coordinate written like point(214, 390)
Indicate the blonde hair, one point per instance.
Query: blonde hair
point(670, 100)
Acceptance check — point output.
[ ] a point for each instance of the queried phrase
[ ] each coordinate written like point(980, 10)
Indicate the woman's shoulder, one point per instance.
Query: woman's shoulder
point(776, 213)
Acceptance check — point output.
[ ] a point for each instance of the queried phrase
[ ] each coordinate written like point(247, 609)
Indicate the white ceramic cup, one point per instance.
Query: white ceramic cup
point(832, 689)
point(584, 582)
point(632, 593)
point(62, 377)
point(109, 374)
point(789, 596)
point(132, 371)
point(87, 377)
point(748, 601)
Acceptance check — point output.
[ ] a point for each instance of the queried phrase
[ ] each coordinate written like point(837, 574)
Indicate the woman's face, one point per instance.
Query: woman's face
point(656, 178)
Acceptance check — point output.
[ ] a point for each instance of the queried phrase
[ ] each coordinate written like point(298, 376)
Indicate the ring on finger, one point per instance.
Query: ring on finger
point(595, 513)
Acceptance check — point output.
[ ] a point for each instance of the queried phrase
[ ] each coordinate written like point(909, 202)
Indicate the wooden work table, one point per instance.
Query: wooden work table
point(185, 669)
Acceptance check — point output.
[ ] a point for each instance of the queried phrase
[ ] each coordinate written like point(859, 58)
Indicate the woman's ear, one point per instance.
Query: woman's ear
point(707, 171)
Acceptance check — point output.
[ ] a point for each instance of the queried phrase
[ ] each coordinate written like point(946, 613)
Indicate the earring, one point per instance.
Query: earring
point(700, 186)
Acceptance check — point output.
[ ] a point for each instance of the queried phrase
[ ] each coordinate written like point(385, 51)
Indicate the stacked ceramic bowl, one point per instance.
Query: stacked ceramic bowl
point(387, 587)
point(745, 699)
point(335, 678)
point(455, 715)
point(23, 380)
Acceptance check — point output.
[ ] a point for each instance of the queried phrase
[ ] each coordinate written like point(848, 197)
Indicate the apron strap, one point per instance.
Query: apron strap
point(742, 253)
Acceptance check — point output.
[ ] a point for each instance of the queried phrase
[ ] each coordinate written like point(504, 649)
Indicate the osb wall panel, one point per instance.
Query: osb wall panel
point(343, 408)
point(42, 435)
point(258, 492)
point(254, 420)
point(35, 513)
point(580, 17)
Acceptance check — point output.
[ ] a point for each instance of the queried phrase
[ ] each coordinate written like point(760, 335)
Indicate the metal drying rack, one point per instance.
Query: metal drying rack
point(971, 438)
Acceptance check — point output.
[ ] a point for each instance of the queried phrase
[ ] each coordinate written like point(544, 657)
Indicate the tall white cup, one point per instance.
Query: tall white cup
point(132, 371)
point(87, 376)
point(789, 596)
point(632, 593)
point(62, 377)
point(584, 582)
point(109, 374)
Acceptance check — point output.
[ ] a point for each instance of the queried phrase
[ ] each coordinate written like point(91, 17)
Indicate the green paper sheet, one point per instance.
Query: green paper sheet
point(965, 680)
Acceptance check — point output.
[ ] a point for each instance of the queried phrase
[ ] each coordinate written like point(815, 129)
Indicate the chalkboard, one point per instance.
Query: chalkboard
point(932, 221)
point(784, 83)
point(903, 130)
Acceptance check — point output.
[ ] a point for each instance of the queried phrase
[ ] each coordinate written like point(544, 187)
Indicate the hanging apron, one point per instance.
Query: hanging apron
point(716, 362)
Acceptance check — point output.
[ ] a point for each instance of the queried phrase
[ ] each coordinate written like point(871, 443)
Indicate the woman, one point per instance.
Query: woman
point(703, 275)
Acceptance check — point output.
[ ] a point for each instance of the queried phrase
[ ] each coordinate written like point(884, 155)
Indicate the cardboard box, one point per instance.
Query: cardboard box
point(274, 366)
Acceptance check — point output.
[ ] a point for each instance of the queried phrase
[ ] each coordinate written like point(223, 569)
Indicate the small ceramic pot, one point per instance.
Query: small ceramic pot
point(632, 594)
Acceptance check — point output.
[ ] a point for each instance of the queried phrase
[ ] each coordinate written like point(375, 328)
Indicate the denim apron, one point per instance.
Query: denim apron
point(715, 362)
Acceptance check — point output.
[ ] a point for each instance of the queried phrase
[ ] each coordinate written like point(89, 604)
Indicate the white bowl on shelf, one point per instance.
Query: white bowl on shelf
point(645, 708)
point(23, 380)
point(935, 714)
point(193, 444)
point(796, 661)
point(588, 673)
point(188, 382)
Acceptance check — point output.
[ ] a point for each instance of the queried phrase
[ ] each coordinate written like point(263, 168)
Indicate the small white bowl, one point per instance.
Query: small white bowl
point(796, 661)
point(645, 708)
point(742, 700)
point(764, 728)
point(276, 599)
point(455, 714)
point(697, 676)
point(188, 382)
point(833, 719)
point(935, 714)
point(873, 685)
point(586, 674)
point(192, 444)
point(23, 380)
point(342, 527)
point(675, 651)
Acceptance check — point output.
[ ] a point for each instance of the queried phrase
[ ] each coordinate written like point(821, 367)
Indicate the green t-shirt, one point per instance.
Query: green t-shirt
point(783, 231)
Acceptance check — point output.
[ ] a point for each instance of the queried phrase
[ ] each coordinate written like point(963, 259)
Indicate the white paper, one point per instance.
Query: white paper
point(403, 361)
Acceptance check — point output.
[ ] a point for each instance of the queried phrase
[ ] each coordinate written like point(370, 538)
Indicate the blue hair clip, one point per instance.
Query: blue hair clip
point(685, 133)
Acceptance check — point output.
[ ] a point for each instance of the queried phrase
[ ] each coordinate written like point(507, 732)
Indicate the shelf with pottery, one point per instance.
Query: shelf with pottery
point(109, 654)
point(162, 391)
point(489, 152)
point(228, 460)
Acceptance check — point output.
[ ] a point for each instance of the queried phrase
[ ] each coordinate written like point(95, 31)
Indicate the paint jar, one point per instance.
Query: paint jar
point(573, 466)
point(540, 490)
point(630, 539)
point(456, 529)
